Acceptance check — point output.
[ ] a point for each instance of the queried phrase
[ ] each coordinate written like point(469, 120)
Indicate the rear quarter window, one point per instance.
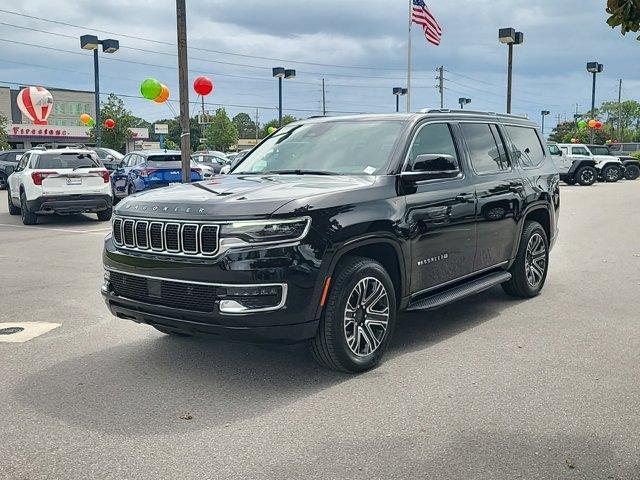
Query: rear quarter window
point(527, 147)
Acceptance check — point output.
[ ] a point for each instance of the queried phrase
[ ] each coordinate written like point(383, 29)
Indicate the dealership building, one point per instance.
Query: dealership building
point(63, 125)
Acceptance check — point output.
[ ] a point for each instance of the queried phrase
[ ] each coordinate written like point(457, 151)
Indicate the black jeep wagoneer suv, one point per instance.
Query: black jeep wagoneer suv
point(331, 226)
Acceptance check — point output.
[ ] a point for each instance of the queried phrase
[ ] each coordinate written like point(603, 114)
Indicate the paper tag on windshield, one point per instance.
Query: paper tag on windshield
point(369, 170)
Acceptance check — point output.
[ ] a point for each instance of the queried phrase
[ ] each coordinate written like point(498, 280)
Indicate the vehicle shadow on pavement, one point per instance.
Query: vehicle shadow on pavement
point(146, 386)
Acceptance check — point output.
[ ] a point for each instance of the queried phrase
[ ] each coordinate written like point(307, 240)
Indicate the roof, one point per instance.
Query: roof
point(148, 153)
point(61, 150)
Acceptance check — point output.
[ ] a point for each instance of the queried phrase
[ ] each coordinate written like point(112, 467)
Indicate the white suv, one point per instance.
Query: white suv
point(61, 181)
point(610, 168)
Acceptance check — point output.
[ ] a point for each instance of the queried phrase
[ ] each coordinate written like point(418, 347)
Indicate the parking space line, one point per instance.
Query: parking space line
point(100, 231)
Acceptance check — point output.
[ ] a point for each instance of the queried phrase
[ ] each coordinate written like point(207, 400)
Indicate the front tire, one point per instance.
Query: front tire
point(529, 271)
point(13, 210)
point(632, 172)
point(358, 319)
point(28, 217)
point(611, 174)
point(586, 176)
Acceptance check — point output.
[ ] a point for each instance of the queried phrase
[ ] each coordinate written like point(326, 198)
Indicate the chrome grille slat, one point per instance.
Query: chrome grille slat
point(181, 238)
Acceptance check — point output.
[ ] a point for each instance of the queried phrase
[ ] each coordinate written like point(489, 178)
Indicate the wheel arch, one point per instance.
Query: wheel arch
point(540, 213)
point(381, 247)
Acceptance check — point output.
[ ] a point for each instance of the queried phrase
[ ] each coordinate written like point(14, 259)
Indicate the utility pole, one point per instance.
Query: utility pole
point(620, 111)
point(183, 86)
point(256, 125)
point(324, 100)
point(441, 85)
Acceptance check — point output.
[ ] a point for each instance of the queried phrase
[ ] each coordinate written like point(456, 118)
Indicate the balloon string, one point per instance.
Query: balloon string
point(195, 105)
point(171, 108)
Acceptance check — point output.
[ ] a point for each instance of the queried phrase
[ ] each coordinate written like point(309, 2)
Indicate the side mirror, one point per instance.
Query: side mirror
point(433, 166)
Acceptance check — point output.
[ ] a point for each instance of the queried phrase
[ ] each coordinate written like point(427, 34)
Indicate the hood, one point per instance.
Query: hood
point(236, 196)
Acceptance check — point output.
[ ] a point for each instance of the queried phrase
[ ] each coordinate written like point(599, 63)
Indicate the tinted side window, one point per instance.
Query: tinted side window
point(433, 138)
point(486, 148)
point(526, 146)
point(630, 148)
point(579, 151)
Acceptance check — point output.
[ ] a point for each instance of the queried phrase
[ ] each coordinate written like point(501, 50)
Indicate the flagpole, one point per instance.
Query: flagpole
point(409, 62)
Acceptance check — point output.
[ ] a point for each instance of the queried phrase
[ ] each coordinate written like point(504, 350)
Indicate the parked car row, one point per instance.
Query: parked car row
point(586, 164)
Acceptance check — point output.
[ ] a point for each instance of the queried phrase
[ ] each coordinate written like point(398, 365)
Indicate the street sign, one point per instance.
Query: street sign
point(161, 129)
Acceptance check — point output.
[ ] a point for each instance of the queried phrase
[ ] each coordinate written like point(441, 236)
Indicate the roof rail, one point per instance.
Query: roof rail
point(471, 112)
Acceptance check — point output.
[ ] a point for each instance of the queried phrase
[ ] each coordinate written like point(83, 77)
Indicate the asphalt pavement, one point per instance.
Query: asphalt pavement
point(489, 388)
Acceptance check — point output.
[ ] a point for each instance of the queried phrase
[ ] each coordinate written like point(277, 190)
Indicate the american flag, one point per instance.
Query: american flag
point(421, 15)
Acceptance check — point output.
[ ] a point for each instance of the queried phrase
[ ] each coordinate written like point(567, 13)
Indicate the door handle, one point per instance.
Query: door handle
point(466, 198)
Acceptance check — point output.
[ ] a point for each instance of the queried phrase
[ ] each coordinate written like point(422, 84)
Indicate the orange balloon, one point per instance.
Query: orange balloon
point(164, 95)
point(592, 123)
point(85, 118)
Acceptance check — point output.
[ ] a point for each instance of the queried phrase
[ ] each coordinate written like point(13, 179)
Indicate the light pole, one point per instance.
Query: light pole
point(511, 38)
point(91, 42)
point(463, 101)
point(594, 68)
point(544, 113)
point(280, 73)
point(398, 92)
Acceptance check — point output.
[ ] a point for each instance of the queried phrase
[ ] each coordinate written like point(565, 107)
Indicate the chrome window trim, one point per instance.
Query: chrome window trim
point(283, 286)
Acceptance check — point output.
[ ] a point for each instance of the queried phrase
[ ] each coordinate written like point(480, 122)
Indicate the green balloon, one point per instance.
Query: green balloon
point(582, 124)
point(150, 88)
point(91, 122)
point(271, 130)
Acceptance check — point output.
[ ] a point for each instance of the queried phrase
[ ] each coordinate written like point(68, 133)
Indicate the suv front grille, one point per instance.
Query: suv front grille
point(166, 237)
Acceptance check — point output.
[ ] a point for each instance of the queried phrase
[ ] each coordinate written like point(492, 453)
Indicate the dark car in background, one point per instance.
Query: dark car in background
point(8, 161)
point(631, 164)
point(146, 169)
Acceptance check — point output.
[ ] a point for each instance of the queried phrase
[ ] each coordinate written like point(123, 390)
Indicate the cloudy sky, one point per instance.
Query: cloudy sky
point(358, 47)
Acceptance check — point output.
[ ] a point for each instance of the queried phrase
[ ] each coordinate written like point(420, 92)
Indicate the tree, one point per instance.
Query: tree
point(4, 139)
point(286, 119)
point(624, 14)
point(245, 126)
point(175, 131)
point(117, 137)
point(222, 133)
point(171, 145)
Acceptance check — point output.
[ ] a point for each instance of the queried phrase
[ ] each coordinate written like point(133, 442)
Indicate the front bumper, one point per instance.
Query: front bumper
point(70, 203)
point(290, 269)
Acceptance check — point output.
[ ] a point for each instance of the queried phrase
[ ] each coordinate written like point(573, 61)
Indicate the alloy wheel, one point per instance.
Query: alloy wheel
point(613, 174)
point(535, 262)
point(366, 316)
point(587, 176)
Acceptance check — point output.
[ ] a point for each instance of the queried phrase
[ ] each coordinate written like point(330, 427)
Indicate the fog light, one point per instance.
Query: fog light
point(250, 299)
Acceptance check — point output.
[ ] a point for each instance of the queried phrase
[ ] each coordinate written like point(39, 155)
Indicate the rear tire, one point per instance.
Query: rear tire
point(28, 217)
point(611, 174)
point(105, 215)
point(358, 318)
point(632, 172)
point(529, 271)
point(13, 210)
point(586, 176)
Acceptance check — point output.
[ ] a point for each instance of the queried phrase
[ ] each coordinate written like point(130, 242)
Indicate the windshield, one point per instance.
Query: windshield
point(209, 159)
point(108, 151)
point(340, 147)
point(66, 160)
point(555, 150)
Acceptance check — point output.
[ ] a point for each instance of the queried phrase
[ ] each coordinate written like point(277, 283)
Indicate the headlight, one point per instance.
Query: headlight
point(264, 231)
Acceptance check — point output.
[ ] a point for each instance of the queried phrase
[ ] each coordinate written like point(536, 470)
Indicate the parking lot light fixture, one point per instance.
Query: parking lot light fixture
point(594, 68)
point(399, 92)
point(544, 113)
point(282, 73)
point(463, 101)
point(91, 42)
point(510, 37)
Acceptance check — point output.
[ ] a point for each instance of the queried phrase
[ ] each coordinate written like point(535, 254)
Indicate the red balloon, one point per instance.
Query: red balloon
point(109, 123)
point(203, 86)
point(598, 125)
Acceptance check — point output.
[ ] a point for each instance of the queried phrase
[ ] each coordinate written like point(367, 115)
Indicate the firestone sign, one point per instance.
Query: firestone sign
point(53, 131)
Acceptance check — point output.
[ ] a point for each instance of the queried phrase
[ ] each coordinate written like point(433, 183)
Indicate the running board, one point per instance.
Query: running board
point(456, 293)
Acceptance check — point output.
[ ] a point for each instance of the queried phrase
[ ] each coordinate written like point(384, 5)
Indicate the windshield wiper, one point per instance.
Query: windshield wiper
point(300, 172)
